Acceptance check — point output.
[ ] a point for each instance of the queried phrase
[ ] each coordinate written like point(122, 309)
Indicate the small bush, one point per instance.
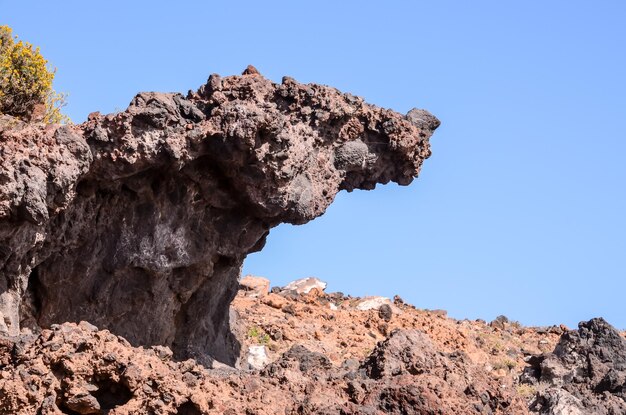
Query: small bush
point(505, 364)
point(26, 82)
point(526, 391)
point(259, 336)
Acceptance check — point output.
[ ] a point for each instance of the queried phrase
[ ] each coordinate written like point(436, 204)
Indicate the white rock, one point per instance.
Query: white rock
point(566, 404)
point(257, 357)
point(332, 306)
point(372, 303)
point(304, 285)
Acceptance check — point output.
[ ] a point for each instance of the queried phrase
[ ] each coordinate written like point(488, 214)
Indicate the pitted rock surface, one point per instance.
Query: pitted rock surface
point(139, 221)
point(74, 368)
point(586, 373)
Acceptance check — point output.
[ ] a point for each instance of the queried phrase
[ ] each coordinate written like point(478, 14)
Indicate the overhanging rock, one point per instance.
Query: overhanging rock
point(139, 221)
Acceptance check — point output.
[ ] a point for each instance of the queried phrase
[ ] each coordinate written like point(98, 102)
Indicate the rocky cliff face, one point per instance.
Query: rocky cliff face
point(139, 221)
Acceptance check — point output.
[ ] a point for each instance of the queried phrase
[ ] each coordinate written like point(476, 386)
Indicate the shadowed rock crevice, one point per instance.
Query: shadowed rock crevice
point(139, 221)
point(111, 394)
point(188, 408)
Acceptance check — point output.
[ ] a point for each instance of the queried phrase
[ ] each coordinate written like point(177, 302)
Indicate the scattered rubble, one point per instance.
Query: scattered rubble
point(299, 356)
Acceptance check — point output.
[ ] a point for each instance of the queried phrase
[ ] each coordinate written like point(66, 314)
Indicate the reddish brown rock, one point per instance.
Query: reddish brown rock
point(254, 286)
point(320, 361)
point(274, 301)
point(139, 221)
point(74, 369)
point(251, 70)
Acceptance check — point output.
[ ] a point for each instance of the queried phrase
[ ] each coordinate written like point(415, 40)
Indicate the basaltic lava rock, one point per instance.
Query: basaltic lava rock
point(585, 374)
point(139, 221)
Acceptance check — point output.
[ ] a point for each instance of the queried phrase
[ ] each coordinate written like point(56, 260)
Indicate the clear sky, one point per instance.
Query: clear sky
point(520, 211)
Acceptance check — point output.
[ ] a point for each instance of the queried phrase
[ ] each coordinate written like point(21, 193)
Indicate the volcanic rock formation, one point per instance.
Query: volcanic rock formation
point(139, 221)
point(586, 373)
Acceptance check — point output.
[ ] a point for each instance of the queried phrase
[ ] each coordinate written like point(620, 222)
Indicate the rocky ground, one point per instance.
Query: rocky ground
point(305, 351)
point(343, 327)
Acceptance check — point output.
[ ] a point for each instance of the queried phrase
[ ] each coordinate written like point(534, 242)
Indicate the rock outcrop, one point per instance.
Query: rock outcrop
point(586, 373)
point(139, 221)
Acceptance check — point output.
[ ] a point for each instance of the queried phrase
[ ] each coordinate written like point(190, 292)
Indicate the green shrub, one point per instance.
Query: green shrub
point(526, 391)
point(259, 336)
point(26, 82)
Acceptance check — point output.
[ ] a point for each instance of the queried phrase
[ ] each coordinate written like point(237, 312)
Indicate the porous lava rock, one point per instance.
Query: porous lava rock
point(139, 221)
point(408, 375)
point(585, 374)
point(77, 369)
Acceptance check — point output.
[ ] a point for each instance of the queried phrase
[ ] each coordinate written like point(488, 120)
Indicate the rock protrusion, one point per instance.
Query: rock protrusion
point(139, 221)
point(254, 286)
point(585, 374)
point(305, 285)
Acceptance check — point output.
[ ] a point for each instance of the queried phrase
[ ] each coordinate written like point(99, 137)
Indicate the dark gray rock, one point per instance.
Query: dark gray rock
point(139, 221)
point(586, 373)
point(385, 312)
point(305, 360)
point(406, 374)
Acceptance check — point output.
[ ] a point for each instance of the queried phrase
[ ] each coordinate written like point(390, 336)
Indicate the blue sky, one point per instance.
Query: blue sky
point(520, 211)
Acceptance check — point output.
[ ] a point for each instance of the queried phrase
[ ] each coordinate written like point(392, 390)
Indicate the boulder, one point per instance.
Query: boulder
point(257, 357)
point(254, 286)
point(585, 374)
point(375, 303)
point(304, 285)
point(274, 301)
